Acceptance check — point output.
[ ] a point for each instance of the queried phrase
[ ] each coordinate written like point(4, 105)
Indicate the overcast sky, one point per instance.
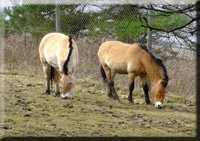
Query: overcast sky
point(4, 3)
point(7, 2)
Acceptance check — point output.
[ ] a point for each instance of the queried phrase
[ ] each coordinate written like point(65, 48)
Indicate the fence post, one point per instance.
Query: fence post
point(149, 37)
point(149, 32)
point(58, 28)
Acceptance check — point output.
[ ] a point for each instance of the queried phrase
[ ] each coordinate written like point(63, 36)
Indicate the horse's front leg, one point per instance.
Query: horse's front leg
point(145, 89)
point(46, 69)
point(56, 79)
point(131, 77)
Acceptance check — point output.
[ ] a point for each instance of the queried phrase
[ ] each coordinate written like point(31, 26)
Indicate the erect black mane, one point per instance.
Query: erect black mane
point(144, 47)
point(158, 62)
point(65, 68)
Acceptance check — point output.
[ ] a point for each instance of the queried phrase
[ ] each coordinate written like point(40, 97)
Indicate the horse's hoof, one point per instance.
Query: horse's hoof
point(47, 93)
point(110, 95)
point(117, 99)
point(57, 94)
point(148, 103)
point(131, 102)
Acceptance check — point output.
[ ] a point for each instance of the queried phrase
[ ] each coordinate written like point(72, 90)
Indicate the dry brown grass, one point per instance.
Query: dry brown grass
point(181, 67)
point(21, 55)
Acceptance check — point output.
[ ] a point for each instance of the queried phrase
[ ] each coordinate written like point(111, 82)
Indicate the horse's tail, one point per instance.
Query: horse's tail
point(52, 76)
point(65, 68)
point(103, 74)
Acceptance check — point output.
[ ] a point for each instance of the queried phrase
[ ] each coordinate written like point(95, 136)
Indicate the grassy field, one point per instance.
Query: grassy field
point(29, 112)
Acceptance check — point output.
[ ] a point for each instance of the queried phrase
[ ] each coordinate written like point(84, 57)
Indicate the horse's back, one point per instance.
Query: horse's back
point(117, 46)
point(119, 50)
point(49, 40)
point(120, 57)
point(54, 49)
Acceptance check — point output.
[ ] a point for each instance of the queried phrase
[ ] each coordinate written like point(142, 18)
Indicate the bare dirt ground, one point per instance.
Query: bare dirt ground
point(27, 111)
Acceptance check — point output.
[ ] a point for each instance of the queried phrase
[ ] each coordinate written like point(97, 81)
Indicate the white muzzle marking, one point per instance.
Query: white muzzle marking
point(66, 96)
point(158, 105)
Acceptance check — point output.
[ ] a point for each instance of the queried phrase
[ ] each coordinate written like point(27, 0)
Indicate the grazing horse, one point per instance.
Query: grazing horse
point(134, 60)
point(59, 54)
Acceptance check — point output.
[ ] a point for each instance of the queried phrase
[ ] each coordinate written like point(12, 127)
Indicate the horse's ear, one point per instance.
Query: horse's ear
point(164, 83)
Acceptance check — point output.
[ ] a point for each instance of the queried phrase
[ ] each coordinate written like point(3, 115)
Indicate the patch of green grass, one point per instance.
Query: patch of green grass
point(176, 99)
point(130, 28)
point(169, 22)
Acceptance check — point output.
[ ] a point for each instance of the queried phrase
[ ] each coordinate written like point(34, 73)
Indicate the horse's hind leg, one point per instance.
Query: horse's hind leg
point(109, 90)
point(111, 85)
point(110, 81)
point(131, 77)
point(56, 79)
point(113, 91)
point(47, 69)
point(145, 89)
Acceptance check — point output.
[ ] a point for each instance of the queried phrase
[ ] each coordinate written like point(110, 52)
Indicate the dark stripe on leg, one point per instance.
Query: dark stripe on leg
point(109, 90)
point(48, 88)
point(146, 92)
point(114, 93)
point(131, 88)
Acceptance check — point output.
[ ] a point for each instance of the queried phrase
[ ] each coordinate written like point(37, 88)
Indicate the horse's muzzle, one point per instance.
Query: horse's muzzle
point(158, 105)
point(66, 96)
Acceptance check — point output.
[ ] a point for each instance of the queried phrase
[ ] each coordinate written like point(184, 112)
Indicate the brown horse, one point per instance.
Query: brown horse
point(134, 60)
point(59, 54)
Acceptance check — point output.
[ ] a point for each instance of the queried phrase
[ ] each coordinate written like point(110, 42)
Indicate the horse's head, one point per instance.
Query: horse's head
point(67, 85)
point(158, 91)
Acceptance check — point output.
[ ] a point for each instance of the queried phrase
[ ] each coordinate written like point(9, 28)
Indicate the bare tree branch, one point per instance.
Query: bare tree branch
point(49, 13)
point(180, 32)
point(169, 12)
point(170, 30)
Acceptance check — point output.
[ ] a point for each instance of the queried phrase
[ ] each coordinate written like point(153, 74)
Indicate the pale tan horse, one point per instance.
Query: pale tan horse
point(134, 60)
point(59, 54)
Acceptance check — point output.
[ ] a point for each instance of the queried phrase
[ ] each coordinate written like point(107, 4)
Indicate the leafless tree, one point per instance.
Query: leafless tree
point(184, 32)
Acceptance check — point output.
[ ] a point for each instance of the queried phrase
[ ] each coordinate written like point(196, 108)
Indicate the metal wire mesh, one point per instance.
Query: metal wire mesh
point(119, 22)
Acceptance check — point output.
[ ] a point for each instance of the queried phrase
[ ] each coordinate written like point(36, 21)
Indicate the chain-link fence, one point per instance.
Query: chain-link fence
point(90, 25)
point(120, 22)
